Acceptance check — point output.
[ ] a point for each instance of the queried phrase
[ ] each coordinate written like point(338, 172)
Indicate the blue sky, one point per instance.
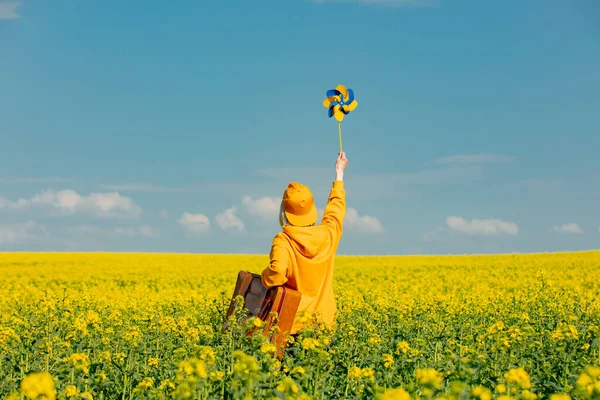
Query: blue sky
point(175, 127)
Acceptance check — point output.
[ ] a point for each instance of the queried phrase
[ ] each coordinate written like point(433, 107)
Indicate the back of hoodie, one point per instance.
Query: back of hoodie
point(302, 258)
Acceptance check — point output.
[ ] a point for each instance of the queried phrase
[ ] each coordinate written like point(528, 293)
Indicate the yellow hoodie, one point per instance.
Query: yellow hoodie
point(303, 259)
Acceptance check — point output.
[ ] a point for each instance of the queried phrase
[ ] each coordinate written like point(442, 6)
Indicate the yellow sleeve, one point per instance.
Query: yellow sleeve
point(276, 273)
point(335, 211)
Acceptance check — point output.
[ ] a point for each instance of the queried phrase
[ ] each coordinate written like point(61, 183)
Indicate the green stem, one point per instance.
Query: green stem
point(340, 134)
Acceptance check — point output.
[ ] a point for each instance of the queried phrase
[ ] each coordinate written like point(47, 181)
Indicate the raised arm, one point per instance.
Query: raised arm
point(335, 211)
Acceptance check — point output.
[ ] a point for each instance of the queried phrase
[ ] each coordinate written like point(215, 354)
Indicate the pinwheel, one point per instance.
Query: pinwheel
point(339, 102)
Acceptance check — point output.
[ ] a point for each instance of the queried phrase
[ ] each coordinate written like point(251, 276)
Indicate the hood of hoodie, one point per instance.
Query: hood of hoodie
point(308, 241)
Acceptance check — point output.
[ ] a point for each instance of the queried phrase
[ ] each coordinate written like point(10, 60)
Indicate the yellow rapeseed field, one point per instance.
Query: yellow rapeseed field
point(122, 326)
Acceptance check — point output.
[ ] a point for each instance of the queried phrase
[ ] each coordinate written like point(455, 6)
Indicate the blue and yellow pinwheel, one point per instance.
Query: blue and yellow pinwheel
point(340, 102)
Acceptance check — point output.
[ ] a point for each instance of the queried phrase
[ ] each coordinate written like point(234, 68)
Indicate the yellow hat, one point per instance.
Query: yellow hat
point(299, 205)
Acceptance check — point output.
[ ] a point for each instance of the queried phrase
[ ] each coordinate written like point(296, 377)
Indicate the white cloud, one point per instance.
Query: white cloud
point(17, 233)
point(69, 202)
point(8, 9)
point(364, 223)
point(482, 227)
point(569, 228)
point(356, 222)
point(195, 223)
point(474, 159)
point(228, 221)
point(266, 207)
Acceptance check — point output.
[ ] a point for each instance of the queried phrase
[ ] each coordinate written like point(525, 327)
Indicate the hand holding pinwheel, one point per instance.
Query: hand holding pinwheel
point(340, 101)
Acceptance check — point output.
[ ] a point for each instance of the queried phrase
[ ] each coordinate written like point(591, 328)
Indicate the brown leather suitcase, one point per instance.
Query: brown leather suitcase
point(260, 302)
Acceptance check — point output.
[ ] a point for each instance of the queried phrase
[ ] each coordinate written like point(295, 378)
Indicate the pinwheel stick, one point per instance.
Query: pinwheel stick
point(340, 134)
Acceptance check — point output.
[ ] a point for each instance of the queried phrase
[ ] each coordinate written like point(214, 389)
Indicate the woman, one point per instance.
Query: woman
point(302, 255)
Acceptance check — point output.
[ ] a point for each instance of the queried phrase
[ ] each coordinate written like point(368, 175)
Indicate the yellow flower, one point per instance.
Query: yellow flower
point(482, 393)
point(133, 334)
point(217, 376)
point(104, 356)
point(91, 302)
point(93, 318)
point(584, 380)
point(86, 396)
point(403, 346)
point(354, 372)
point(80, 361)
point(80, 325)
point(119, 357)
point(70, 391)
point(395, 394)
point(310, 344)
point(573, 332)
point(518, 376)
point(498, 326)
point(145, 383)
point(429, 377)
point(257, 322)
point(298, 370)
point(288, 386)
point(192, 334)
point(267, 348)
point(593, 371)
point(207, 354)
point(193, 368)
point(374, 340)
point(560, 396)
point(368, 373)
point(245, 365)
point(38, 385)
point(167, 384)
point(388, 360)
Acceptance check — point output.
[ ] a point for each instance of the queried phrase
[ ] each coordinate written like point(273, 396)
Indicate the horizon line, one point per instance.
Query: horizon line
point(267, 254)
